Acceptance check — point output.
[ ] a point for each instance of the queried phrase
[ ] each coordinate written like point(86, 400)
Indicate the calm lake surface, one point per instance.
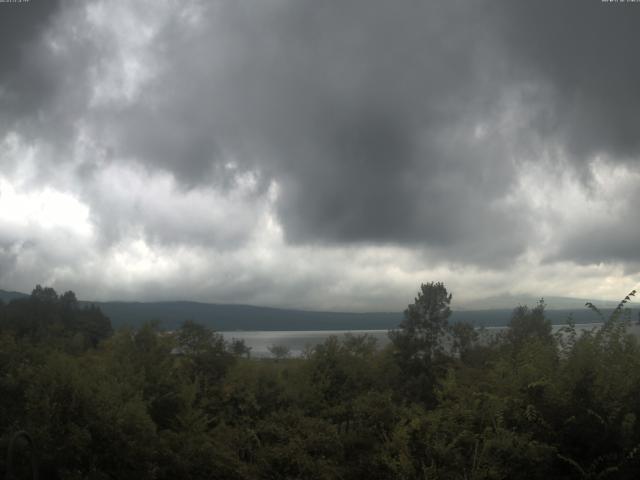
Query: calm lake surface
point(297, 341)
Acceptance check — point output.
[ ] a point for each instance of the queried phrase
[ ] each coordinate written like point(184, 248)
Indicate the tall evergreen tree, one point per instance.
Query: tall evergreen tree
point(418, 343)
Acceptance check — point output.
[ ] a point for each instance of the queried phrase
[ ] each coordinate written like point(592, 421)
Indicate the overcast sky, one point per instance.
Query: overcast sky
point(320, 154)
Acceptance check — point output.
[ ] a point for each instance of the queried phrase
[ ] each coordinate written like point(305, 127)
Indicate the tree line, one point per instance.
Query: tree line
point(438, 402)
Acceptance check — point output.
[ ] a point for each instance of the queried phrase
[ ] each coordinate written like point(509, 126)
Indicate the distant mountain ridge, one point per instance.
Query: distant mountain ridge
point(6, 296)
point(225, 317)
point(509, 301)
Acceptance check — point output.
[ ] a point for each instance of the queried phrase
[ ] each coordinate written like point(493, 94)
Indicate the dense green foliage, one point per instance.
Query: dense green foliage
point(440, 402)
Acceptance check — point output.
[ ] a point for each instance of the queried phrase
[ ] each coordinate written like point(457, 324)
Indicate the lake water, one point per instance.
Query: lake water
point(298, 341)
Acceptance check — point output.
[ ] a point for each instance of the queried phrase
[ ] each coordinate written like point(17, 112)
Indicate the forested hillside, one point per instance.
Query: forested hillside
point(143, 404)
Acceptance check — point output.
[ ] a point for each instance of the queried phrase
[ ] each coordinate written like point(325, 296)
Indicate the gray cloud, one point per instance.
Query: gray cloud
point(606, 242)
point(605, 230)
point(24, 84)
point(382, 123)
point(582, 56)
point(362, 116)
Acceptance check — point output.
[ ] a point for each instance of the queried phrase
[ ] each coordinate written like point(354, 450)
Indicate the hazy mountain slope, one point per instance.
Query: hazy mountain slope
point(6, 296)
point(242, 317)
point(245, 317)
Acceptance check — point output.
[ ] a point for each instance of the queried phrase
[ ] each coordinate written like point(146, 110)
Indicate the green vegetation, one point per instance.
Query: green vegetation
point(439, 402)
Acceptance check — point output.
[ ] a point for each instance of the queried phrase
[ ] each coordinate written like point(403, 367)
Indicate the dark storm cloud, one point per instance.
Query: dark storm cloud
point(363, 115)
point(582, 56)
point(606, 242)
point(24, 84)
point(584, 53)
point(382, 122)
